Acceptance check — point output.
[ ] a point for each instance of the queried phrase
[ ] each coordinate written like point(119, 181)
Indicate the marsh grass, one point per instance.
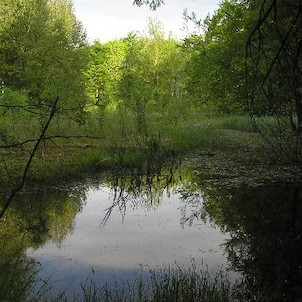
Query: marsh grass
point(18, 281)
point(195, 137)
point(196, 131)
point(167, 285)
point(113, 141)
point(175, 284)
point(231, 122)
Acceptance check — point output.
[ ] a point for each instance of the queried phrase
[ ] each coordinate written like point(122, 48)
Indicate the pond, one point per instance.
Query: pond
point(139, 238)
point(117, 226)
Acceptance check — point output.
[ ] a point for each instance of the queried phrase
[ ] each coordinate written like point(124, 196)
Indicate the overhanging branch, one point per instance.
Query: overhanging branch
point(28, 164)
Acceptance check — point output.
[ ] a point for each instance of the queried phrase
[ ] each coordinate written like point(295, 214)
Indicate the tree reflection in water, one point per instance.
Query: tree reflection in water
point(265, 223)
point(35, 218)
point(136, 188)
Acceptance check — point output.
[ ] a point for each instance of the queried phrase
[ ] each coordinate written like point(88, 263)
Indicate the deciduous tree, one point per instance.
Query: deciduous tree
point(43, 50)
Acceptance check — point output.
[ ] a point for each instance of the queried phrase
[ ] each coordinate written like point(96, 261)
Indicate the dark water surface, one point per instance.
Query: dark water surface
point(118, 226)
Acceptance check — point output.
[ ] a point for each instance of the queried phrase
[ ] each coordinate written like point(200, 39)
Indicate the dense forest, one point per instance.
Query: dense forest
point(245, 61)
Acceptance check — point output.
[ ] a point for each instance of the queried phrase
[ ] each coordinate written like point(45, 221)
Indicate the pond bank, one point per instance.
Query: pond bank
point(235, 155)
point(231, 188)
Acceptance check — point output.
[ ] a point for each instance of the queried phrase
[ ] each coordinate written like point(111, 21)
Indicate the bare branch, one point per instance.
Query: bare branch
point(28, 164)
point(28, 141)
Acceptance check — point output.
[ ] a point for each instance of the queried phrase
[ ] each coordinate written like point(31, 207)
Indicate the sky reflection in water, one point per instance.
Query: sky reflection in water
point(146, 237)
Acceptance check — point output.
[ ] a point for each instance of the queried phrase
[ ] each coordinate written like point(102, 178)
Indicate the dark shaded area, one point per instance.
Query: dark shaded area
point(265, 223)
point(273, 75)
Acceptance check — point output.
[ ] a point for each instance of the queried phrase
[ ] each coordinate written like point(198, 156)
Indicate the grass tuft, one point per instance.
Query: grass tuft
point(166, 285)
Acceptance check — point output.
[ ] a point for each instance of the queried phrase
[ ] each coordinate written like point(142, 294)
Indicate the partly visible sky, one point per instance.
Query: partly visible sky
point(106, 20)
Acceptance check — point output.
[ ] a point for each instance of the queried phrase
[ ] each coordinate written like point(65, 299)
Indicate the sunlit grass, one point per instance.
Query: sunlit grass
point(109, 139)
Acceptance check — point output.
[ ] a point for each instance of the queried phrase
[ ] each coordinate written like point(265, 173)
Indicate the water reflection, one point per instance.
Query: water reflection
point(140, 189)
point(265, 224)
point(131, 220)
point(34, 219)
point(115, 225)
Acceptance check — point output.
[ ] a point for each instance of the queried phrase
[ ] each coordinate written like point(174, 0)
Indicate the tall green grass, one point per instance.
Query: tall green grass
point(111, 137)
point(231, 122)
point(167, 285)
point(191, 131)
point(18, 281)
point(195, 137)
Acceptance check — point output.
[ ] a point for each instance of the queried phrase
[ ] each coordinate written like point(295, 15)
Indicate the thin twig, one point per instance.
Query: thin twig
point(20, 144)
point(28, 164)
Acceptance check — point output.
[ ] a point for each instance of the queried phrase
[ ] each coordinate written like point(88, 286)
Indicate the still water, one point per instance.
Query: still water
point(135, 237)
point(117, 226)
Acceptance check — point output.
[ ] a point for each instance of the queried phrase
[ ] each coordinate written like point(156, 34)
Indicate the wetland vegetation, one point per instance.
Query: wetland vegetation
point(148, 168)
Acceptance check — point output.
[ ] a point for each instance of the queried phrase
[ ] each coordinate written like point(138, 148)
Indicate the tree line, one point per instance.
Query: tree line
point(245, 59)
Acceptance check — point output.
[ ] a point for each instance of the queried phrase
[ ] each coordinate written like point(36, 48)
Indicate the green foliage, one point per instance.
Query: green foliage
point(248, 60)
point(104, 73)
point(143, 74)
point(274, 67)
point(152, 74)
point(274, 63)
point(14, 117)
point(232, 122)
point(42, 50)
point(216, 71)
point(10, 97)
point(155, 79)
point(153, 4)
point(18, 279)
